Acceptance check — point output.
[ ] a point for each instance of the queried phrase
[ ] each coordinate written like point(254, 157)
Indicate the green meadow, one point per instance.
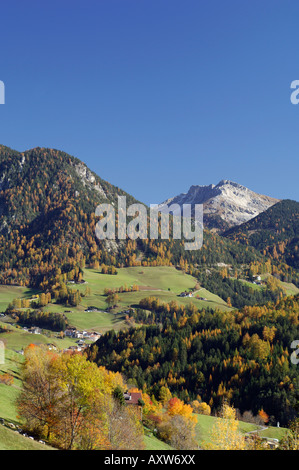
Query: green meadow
point(9, 293)
point(165, 283)
point(12, 440)
point(205, 424)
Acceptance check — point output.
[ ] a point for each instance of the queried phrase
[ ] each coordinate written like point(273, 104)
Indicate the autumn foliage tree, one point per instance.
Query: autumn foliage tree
point(176, 406)
point(68, 401)
point(177, 425)
point(225, 434)
point(40, 394)
point(263, 416)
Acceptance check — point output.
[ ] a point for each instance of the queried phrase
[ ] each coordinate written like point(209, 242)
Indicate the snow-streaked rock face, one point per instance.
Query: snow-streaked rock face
point(229, 201)
point(88, 178)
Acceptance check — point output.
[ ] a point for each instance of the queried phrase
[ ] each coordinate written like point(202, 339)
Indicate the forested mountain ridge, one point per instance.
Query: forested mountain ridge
point(47, 227)
point(47, 217)
point(47, 222)
point(275, 232)
point(30, 180)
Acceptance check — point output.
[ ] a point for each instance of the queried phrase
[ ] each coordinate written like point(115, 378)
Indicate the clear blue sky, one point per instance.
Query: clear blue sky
point(157, 95)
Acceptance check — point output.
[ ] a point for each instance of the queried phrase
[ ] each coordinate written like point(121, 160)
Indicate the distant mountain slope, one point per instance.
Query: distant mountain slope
point(47, 223)
point(225, 205)
point(274, 232)
point(32, 182)
point(47, 212)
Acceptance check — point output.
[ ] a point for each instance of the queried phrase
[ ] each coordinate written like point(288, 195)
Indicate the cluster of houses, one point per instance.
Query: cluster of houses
point(191, 294)
point(257, 280)
point(81, 336)
point(72, 332)
point(186, 294)
point(77, 347)
point(35, 330)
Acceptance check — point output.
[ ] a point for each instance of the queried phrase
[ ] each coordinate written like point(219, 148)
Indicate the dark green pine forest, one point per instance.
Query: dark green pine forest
point(242, 356)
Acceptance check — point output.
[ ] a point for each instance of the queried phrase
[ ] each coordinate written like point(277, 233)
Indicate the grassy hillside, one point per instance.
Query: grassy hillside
point(152, 443)
point(8, 293)
point(205, 425)
point(12, 440)
point(288, 287)
point(165, 283)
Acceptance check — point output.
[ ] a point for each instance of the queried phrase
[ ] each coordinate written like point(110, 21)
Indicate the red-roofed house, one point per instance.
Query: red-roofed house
point(134, 398)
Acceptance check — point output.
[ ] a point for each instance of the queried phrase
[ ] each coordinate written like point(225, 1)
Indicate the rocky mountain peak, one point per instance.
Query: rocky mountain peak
point(226, 204)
